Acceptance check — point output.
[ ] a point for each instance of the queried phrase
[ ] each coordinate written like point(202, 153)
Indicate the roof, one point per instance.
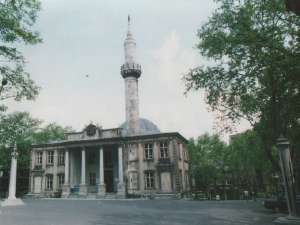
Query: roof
point(145, 127)
point(110, 140)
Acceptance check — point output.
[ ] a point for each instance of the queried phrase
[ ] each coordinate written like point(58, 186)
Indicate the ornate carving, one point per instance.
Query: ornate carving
point(91, 130)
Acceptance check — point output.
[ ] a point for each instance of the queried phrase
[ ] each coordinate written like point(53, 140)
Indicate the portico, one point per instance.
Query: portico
point(94, 169)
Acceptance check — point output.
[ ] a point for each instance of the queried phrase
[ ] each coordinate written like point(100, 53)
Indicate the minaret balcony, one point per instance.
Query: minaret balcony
point(131, 70)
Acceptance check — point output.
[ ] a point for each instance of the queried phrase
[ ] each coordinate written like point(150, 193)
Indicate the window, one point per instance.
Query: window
point(50, 157)
point(185, 155)
point(92, 178)
point(180, 178)
point(49, 182)
point(186, 177)
point(61, 180)
point(39, 158)
point(164, 153)
point(61, 158)
point(149, 180)
point(148, 151)
point(180, 151)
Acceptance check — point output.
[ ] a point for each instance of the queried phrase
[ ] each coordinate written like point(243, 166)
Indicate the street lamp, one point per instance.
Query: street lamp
point(288, 180)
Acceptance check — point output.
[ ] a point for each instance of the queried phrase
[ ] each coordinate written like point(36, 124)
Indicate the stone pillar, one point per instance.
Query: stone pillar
point(12, 200)
point(66, 186)
point(13, 177)
point(121, 188)
point(83, 187)
point(101, 185)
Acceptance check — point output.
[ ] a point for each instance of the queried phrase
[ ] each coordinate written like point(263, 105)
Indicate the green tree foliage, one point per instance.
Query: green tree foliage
point(16, 127)
point(255, 50)
point(51, 132)
point(241, 163)
point(248, 164)
point(20, 127)
point(207, 159)
point(16, 20)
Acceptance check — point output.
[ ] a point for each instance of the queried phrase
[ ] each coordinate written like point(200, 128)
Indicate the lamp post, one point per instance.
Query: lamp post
point(288, 180)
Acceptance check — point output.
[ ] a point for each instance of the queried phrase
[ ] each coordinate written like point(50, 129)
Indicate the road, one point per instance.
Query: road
point(136, 212)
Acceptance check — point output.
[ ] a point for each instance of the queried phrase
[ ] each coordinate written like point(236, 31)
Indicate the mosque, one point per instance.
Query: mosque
point(135, 159)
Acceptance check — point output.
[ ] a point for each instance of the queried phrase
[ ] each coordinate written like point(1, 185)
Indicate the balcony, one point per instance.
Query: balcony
point(38, 168)
point(165, 164)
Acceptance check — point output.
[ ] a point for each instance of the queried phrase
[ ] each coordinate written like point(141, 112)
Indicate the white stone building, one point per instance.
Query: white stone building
point(135, 158)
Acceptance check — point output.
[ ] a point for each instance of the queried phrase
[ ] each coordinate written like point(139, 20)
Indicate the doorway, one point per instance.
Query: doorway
point(109, 180)
point(110, 168)
point(166, 185)
point(37, 184)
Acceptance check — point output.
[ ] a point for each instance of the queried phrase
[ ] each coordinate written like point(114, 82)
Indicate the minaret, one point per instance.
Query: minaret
point(131, 71)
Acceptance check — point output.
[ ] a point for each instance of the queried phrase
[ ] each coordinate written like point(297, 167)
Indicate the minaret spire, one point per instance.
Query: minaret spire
point(131, 71)
point(128, 22)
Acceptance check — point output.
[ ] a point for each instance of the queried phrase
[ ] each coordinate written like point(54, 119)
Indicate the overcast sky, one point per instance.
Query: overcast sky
point(86, 37)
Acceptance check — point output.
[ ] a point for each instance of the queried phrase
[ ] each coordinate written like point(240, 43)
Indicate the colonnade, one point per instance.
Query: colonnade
point(101, 185)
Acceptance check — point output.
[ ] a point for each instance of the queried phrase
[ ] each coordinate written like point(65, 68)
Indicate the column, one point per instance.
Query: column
point(55, 163)
point(12, 200)
point(66, 186)
point(101, 185)
point(13, 176)
point(83, 167)
point(83, 187)
point(67, 167)
point(121, 189)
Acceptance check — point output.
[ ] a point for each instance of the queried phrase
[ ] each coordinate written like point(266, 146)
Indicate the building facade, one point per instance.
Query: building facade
point(133, 159)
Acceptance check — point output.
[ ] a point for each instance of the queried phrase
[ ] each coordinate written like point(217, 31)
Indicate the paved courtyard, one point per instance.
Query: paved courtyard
point(136, 212)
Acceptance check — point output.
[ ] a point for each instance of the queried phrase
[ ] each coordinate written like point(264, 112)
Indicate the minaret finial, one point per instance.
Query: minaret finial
point(128, 24)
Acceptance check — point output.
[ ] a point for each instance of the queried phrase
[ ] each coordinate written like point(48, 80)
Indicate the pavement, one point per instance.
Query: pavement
point(136, 212)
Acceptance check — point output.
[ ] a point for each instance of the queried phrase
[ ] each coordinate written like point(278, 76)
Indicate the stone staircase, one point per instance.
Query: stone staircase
point(95, 196)
point(165, 196)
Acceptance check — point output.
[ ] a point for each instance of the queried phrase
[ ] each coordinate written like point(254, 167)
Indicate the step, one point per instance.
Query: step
point(165, 196)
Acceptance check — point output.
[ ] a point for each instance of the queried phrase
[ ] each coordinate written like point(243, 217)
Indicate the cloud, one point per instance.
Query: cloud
point(162, 90)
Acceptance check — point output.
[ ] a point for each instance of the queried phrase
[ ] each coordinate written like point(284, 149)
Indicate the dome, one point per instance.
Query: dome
point(146, 127)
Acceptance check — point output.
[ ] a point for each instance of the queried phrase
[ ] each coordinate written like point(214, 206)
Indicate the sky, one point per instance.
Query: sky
point(86, 38)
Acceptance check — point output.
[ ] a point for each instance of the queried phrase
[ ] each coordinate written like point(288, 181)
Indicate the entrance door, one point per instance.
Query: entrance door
point(109, 181)
point(165, 180)
point(37, 184)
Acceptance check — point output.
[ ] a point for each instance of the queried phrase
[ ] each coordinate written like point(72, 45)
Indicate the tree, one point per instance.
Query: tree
point(51, 132)
point(229, 169)
point(207, 160)
point(247, 162)
point(255, 50)
point(16, 20)
point(17, 128)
